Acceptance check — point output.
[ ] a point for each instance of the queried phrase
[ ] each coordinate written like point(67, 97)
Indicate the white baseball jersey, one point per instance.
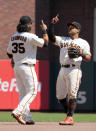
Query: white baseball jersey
point(64, 42)
point(69, 79)
point(23, 47)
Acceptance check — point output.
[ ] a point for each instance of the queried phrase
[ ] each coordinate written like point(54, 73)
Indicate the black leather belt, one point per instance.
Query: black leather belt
point(68, 65)
point(28, 64)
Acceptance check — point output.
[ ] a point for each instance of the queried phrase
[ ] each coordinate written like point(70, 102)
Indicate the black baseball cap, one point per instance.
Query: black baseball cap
point(25, 20)
point(75, 24)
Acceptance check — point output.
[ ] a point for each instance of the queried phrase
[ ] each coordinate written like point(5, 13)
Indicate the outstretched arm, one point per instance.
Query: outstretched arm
point(44, 32)
point(51, 33)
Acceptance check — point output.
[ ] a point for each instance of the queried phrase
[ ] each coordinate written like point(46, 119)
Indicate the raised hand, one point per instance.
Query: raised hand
point(55, 19)
point(43, 25)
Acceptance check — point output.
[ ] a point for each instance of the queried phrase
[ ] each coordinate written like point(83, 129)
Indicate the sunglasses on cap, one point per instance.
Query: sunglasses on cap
point(71, 27)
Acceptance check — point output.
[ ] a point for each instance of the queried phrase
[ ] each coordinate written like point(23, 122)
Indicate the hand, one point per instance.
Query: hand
point(55, 19)
point(43, 26)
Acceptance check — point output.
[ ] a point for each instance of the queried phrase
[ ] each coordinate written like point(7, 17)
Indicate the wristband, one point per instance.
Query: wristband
point(44, 32)
point(83, 56)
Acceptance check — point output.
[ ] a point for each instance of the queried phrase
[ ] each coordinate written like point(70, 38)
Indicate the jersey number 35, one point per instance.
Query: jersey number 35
point(18, 47)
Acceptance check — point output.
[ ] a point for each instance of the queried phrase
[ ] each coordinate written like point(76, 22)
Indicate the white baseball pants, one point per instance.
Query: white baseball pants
point(27, 85)
point(68, 82)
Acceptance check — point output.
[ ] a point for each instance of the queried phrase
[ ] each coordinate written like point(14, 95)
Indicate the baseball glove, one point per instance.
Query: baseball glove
point(73, 52)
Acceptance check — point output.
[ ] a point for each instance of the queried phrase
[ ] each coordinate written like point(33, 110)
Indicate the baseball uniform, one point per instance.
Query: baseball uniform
point(23, 47)
point(70, 74)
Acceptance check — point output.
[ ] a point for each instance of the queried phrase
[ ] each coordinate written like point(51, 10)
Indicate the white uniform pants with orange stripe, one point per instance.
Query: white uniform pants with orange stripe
point(27, 85)
point(68, 82)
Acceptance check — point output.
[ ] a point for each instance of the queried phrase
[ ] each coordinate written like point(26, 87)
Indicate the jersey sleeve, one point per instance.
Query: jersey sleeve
point(36, 41)
point(86, 48)
point(9, 49)
point(58, 40)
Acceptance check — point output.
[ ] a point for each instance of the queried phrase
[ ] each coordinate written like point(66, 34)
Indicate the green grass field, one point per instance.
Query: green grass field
point(51, 117)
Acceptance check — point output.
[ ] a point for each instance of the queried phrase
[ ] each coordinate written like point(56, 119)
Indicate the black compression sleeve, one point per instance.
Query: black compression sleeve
point(51, 33)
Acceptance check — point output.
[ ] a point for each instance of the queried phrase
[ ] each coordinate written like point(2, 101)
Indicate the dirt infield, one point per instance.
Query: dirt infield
point(46, 126)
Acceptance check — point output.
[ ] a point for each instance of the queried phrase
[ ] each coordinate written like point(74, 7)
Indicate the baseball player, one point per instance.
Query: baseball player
point(72, 51)
point(22, 50)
